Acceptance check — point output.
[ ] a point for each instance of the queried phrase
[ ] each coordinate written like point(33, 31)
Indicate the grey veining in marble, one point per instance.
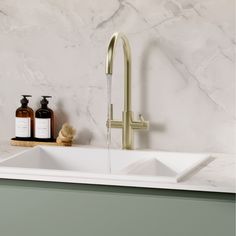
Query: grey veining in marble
point(183, 67)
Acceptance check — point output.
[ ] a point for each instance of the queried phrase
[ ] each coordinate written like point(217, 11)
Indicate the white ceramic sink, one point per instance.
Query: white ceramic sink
point(92, 165)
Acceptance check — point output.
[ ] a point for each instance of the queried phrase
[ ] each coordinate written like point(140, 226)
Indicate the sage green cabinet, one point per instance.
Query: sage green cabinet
point(30, 208)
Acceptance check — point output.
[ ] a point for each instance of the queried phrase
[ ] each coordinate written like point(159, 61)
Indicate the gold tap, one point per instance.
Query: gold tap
point(127, 124)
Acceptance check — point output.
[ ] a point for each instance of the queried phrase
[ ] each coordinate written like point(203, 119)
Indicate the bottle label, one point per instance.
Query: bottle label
point(42, 128)
point(22, 127)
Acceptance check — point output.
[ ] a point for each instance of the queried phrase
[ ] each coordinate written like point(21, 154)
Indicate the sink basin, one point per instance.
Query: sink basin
point(93, 165)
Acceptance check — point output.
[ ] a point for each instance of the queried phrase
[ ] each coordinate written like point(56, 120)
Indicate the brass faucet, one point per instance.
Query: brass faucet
point(127, 124)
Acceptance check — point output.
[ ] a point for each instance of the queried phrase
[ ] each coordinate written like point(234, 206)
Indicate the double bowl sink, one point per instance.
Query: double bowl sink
point(101, 166)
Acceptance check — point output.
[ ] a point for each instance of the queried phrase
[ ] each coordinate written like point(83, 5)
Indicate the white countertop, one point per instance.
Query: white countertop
point(218, 176)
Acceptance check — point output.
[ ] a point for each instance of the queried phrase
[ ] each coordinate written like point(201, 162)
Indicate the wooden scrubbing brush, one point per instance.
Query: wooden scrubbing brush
point(66, 135)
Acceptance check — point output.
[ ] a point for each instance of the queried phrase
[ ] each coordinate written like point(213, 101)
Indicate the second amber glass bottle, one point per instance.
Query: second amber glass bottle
point(44, 121)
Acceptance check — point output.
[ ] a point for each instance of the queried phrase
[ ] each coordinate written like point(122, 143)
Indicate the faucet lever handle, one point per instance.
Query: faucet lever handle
point(145, 122)
point(141, 117)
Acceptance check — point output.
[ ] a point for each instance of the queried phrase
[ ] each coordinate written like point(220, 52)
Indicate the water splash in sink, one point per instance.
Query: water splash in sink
point(109, 83)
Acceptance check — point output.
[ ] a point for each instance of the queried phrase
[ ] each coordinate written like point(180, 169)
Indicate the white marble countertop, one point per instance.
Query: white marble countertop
point(217, 176)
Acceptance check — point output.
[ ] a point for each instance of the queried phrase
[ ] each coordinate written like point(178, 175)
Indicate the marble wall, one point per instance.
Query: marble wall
point(183, 54)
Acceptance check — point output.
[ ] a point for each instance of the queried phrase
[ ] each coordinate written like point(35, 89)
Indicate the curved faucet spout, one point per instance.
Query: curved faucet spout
point(127, 65)
point(127, 124)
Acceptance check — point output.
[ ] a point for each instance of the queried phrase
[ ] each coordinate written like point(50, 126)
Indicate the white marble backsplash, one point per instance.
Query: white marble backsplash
point(183, 67)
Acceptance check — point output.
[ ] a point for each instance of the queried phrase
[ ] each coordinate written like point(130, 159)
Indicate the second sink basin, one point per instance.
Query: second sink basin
point(100, 166)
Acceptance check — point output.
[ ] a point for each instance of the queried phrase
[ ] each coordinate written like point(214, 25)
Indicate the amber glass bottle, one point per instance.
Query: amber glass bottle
point(44, 121)
point(24, 120)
